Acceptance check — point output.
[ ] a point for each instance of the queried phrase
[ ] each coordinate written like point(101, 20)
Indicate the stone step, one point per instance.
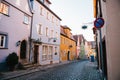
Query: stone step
point(28, 65)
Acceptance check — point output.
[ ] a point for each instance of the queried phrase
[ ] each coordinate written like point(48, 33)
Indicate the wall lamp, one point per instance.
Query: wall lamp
point(18, 43)
point(54, 39)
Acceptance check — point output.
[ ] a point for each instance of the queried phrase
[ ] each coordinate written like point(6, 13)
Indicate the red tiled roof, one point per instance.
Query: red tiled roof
point(80, 38)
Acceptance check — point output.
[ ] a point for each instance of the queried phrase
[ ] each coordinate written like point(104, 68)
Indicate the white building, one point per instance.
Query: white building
point(45, 33)
point(15, 23)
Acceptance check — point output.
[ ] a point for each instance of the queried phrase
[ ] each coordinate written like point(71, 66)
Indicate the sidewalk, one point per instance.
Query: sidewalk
point(17, 73)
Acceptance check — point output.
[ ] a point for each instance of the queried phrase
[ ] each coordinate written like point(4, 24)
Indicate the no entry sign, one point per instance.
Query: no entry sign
point(99, 22)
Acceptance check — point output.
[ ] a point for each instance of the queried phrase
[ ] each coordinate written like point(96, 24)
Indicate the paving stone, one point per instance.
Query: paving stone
point(83, 70)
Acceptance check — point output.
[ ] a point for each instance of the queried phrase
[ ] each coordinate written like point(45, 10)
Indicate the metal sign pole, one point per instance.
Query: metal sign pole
point(101, 52)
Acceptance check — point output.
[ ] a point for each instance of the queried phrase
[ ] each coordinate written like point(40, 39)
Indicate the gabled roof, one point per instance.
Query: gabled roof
point(49, 9)
point(80, 37)
point(62, 32)
point(66, 27)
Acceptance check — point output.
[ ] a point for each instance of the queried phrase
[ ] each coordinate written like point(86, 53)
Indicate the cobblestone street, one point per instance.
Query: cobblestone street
point(81, 70)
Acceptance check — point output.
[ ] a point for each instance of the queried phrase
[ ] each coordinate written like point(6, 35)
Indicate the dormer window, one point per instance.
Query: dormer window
point(42, 1)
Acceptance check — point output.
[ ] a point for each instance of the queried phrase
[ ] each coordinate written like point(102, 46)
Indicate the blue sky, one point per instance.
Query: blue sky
point(74, 13)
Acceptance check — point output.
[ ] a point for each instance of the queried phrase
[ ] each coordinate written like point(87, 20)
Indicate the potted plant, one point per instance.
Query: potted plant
point(12, 60)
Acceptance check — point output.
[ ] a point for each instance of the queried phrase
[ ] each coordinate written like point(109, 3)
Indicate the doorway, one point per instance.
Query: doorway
point(68, 56)
point(36, 53)
point(23, 49)
point(104, 59)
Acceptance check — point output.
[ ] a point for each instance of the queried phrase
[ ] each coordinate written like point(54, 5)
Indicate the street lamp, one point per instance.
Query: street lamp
point(85, 25)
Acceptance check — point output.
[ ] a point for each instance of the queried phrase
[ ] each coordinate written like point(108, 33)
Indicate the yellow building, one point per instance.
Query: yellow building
point(67, 45)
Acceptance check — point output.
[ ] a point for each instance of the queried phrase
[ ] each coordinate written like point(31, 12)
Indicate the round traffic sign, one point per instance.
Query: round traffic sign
point(99, 22)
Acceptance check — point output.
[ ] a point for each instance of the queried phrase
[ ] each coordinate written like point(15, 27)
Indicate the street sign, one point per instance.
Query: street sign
point(99, 22)
point(84, 27)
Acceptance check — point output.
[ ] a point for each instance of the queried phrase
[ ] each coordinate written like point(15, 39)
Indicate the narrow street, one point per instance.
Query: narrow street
point(81, 70)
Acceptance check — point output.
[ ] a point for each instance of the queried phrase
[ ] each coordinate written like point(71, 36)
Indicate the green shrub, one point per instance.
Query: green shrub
point(12, 60)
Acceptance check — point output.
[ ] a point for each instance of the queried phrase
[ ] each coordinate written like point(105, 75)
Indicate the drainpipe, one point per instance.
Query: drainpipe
point(30, 38)
point(31, 9)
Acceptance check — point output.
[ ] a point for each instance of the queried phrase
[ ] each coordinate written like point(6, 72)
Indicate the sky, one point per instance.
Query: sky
point(75, 14)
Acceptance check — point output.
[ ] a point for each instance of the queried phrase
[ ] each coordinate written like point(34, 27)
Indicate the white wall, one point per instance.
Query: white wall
point(15, 28)
point(42, 19)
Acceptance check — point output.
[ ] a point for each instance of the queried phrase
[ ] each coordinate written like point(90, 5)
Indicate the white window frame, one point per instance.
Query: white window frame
point(56, 51)
point(4, 8)
point(40, 29)
point(56, 35)
point(50, 56)
point(26, 19)
point(46, 31)
point(52, 19)
point(3, 42)
point(44, 52)
point(41, 10)
point(47, 15)
point(56, 22)
point(52, 34)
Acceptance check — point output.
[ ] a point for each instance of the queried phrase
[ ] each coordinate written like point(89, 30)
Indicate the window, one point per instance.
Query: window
point(50, 52)
point(56, 22)
point(3, 41)
point(51, 34)
point(40, 29)
point(44, 53)
point(55, 50)
point(56, 35)
point(4, 8)
point(52, 19)
point(41, 10)
point(47, 15)
point(46, 31)
point(26, 19)
point(64, 41)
